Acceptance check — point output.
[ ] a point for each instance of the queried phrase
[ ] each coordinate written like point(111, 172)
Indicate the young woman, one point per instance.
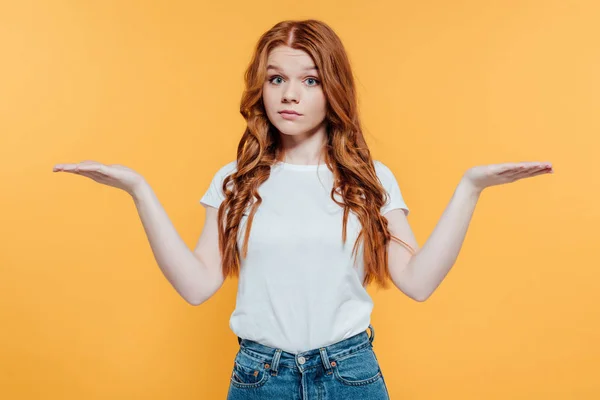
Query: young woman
point(306, 219)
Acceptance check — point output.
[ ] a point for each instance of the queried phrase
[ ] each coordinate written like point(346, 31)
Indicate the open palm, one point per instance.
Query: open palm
point(115, 175)
point(483, 176)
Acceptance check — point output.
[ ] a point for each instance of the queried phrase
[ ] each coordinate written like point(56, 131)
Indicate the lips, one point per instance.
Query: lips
point(289, 115)
point(289, 112)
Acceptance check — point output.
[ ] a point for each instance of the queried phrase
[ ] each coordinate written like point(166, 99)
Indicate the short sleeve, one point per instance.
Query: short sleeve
point(389, 182)
point(214, 195)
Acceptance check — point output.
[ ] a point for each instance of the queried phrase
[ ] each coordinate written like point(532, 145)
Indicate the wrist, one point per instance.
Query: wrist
point(140, 190)
point(467, 186)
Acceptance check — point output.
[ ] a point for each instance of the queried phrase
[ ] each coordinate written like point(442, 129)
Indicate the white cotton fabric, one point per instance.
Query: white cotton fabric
point(299, 288)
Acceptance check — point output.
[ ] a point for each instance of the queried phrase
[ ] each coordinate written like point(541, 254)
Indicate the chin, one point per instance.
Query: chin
point(291, 131)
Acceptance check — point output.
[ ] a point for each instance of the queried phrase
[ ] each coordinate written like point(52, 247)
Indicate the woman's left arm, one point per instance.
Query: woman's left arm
point(426, 269)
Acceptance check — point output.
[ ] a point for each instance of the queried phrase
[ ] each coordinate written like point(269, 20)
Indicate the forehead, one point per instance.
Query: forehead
point(287, 58)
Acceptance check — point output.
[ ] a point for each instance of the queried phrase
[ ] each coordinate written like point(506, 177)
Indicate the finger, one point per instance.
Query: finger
point(98, 177)
point(540, 167)
point(71, 166)
point(528, 171)
point(534, 168)
point(532, 172)
point(92, 167)
point(521, 168)
point(514, 171)
point(534, 164)
point(67, 167)
point(72, 170)
point(540, 172)
point(511, 168)
point(543, 169)
point(90, 174)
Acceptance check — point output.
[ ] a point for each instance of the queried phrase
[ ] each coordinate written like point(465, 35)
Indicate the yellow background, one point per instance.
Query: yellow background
point(85, 312)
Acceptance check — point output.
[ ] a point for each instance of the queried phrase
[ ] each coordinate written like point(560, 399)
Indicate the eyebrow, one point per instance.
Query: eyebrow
point(279, 69)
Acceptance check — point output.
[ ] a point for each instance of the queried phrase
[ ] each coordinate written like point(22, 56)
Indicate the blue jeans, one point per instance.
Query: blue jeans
point(345, 370)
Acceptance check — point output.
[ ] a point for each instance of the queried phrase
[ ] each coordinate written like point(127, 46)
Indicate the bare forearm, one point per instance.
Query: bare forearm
point(434, 260)
point(177, 262)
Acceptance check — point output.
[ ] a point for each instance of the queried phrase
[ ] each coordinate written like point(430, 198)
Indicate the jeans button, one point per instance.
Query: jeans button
point(301, 360)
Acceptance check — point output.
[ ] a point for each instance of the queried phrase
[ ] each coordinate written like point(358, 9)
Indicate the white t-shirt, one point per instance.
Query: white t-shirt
point(299, 288)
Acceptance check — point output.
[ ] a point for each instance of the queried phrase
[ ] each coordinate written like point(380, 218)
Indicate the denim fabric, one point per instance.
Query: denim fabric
point(345, 370)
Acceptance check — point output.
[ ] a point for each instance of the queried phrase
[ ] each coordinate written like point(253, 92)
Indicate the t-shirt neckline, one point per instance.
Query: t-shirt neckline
point(301, 167)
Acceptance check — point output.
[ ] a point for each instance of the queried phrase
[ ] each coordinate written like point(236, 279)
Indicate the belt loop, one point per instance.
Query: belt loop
point(325, 360)
point(275, 362)
point(372, 334)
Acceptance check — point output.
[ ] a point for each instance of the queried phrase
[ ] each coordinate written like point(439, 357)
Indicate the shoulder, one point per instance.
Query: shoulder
point(382, 170)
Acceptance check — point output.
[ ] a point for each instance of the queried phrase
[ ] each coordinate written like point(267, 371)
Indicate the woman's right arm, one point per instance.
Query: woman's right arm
point(195, 275)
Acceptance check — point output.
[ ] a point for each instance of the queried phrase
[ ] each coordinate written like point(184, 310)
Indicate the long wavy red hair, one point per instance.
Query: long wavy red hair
point(345, 151)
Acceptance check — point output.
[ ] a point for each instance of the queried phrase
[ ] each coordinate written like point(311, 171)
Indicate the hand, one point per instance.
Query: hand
point(114, 175)
point(483, 176)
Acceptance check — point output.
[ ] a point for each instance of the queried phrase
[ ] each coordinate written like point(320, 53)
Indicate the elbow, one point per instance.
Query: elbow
point(203, 294)
point(195, 301)
point(420, 297)
point(409, 291)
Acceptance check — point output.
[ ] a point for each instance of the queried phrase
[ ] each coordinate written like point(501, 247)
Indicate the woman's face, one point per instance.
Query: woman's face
point(293, 83)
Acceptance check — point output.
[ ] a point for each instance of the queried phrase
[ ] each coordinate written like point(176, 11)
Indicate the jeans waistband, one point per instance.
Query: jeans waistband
point(306, 359)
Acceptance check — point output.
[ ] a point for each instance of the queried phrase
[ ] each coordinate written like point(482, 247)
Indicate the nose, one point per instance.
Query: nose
point(290, 94)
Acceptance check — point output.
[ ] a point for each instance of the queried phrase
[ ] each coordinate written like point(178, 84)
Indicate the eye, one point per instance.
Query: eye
point(271, 79)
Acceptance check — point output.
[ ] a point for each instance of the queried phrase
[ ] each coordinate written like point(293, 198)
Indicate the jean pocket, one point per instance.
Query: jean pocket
point(248, 373)
point(356, 369)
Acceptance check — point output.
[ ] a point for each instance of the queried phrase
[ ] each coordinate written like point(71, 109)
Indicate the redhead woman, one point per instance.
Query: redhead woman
point(305, 219)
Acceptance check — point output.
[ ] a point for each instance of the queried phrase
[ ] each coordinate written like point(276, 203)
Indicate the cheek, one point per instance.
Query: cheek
point(267, 97)
point(319, 104)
